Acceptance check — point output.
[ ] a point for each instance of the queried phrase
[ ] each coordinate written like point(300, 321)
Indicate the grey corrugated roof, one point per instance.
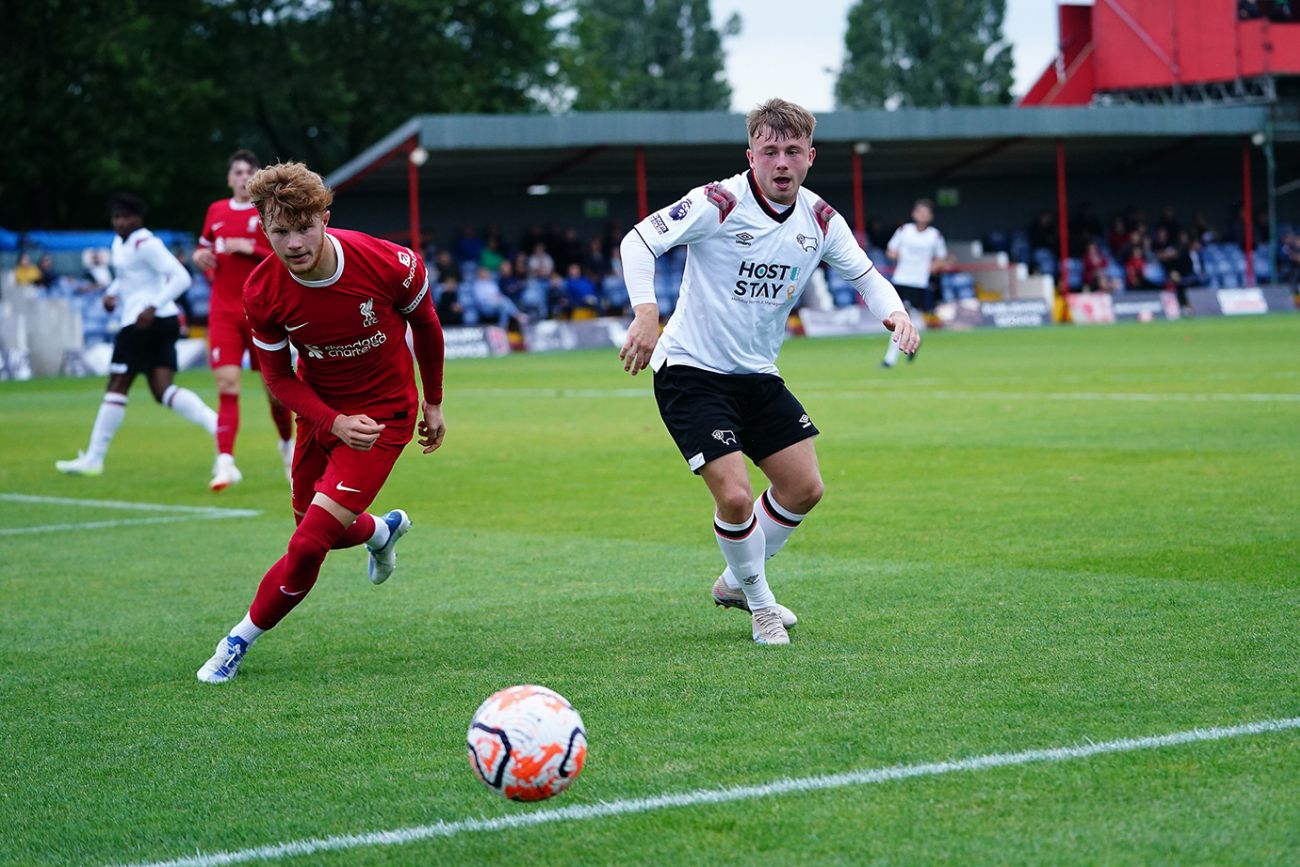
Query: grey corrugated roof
point(466, 134)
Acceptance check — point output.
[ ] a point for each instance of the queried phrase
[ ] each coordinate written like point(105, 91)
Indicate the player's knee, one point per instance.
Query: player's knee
point(735, 505)
point(801, 497)
point(305, 549)
point(227, 383)
point(812, 494)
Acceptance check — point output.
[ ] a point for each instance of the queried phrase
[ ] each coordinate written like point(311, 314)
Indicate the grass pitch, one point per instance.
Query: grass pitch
point(1030, 539)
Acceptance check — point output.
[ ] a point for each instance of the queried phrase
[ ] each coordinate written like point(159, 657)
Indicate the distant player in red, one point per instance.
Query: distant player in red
point(345, 300)
point(231, 246)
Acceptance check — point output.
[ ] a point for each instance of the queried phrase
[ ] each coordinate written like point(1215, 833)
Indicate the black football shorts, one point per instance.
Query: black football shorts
point(711, 414)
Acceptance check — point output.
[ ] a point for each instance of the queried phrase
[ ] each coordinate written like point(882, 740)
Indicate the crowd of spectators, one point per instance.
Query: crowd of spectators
point(1131, 252)
point(546, 274)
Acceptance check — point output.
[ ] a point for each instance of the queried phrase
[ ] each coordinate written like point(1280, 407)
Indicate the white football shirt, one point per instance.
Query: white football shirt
point(145, 274)
point(916, 251)
point(747, 263)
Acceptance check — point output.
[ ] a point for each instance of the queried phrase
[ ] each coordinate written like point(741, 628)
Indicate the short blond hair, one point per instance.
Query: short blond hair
point(290, 192)
point(782, 119)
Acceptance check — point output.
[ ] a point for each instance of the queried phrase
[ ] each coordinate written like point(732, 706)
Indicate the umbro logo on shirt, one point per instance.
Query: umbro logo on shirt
point(743, 238)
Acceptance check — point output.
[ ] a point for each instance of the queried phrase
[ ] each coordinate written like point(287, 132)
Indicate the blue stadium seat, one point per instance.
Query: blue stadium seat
point(1045, 260)
point(1074, 268)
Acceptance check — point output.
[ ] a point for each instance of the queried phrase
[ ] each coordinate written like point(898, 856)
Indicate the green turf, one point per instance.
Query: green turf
point(1030, 539)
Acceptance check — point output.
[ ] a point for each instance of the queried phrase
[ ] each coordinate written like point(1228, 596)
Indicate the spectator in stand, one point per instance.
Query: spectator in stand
point(1136, 256)
point(1185, 269)
point(491, 256)
point(1095, 275)
point(540, 264)
point(512, 285)
point(445, 267)
point(25, 272)
point(49, 276)
point(557, 297)
point(595, 262)
point(1117, 237)
point(581, 292)
point(491, 303)
point(447, 303)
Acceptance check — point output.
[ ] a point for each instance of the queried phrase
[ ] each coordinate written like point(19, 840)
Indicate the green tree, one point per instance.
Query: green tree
point(925, 53)
point(649, 55)
point(152, 95)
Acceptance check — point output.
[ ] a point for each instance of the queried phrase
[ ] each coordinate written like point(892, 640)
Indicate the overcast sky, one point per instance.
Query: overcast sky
point(793, 49)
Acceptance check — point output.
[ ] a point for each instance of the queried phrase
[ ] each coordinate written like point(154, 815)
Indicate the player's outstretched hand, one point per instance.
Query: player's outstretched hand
point(641, 338)
point(432, 427)
point(905, 333)
point(358, 432)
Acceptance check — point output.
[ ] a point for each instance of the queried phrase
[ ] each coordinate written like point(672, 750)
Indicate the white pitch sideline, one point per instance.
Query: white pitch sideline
point(581, 812)
point(169, 514)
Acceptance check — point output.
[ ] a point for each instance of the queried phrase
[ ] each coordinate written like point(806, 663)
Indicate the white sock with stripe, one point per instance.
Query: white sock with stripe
point(190, 407)
point(109, 418)
point(743, 547)
point(778, 524)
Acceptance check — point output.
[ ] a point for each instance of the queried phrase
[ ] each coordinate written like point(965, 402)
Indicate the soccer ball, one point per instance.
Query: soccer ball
point(527, 743)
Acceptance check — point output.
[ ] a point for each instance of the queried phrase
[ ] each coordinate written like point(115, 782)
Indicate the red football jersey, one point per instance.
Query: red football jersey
point(228, 219)
point(350, 328)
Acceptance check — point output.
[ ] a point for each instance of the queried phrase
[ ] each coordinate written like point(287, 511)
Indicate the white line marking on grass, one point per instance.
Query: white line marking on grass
point(823, 391)
point(582, 812)
point(186, 513)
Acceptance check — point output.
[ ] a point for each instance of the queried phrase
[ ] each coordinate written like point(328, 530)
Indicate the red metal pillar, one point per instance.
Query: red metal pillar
point(642, 198)
point(413, 194)
point(1247, 214)
point(859, 213)
point(1062, 223)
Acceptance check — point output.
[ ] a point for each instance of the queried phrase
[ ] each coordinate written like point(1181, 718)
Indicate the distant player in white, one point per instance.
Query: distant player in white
point(753, 241)
point(147, 280)
point(916, 248)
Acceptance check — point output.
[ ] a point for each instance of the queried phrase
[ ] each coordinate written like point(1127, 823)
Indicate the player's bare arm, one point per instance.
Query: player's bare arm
point(905, 333)
point(432, 427)
point(358, 432)
point(642, 336)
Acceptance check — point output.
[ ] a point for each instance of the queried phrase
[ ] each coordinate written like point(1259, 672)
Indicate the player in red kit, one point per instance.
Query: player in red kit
point(230, 247)
point(345, 300)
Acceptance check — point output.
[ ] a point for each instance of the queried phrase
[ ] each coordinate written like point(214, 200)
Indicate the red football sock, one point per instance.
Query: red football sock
point(287, 582)
point(283, 418)
point(227, 422)
point(359, 533)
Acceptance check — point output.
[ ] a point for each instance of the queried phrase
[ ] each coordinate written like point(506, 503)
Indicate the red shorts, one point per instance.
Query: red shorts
point(351, 478)
point(228, 336)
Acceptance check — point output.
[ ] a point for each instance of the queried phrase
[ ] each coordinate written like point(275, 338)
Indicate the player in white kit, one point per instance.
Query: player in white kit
point(917, 248)
point(753, 241)
point(147, 280)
